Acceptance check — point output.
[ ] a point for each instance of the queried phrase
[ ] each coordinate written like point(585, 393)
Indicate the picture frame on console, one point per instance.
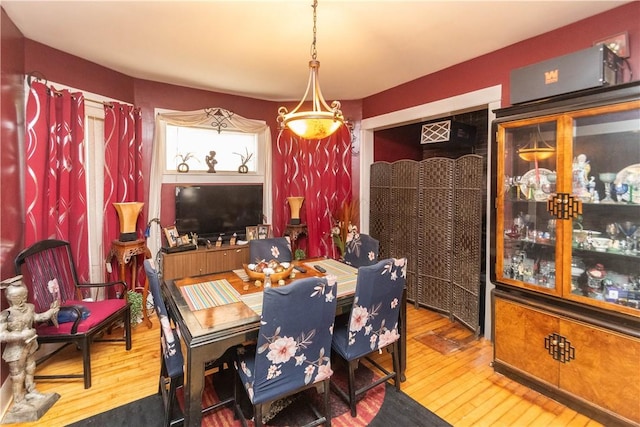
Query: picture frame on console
point(173, 238)
point(264, 231)
point(252, 233)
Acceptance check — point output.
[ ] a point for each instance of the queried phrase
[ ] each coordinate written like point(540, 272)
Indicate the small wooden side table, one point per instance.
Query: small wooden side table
point(294, 231)
point(126, 253)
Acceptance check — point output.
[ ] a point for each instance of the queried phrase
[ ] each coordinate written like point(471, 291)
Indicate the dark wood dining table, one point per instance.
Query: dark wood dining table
point(234, 319)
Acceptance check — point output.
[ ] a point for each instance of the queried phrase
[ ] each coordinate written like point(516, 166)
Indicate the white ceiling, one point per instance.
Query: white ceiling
point(261, 49)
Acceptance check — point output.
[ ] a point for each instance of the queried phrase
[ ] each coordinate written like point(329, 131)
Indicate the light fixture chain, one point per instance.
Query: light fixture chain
point(314, 52)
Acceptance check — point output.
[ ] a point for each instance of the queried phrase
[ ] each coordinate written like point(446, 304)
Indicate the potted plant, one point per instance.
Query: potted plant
point(299, 254)
point(183, 167)
point(135, 300)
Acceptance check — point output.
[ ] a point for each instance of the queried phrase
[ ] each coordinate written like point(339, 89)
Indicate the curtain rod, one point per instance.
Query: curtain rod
point(38, 76)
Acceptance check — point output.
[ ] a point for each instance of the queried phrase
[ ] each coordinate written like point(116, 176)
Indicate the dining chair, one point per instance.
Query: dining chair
point(49, 272)
point(278, 248)
point(293, 349)
point(372, 324)
point(172, 362)
point(361, 250)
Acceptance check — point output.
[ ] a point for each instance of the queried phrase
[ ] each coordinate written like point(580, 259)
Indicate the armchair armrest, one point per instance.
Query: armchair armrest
point(76, 312)
point(120, 292)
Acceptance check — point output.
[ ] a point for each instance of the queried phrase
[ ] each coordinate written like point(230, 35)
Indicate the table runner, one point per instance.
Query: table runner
point(209, 294)
point(346, 275)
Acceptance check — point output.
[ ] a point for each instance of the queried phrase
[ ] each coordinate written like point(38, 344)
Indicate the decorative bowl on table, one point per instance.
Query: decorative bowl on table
point(277, 272)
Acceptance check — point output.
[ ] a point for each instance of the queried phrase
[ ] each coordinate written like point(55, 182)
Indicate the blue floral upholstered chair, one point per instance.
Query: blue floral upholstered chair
point(172, 364)
point(293, 351)
point(277, 248)
point(372, 324)
point(361, 250)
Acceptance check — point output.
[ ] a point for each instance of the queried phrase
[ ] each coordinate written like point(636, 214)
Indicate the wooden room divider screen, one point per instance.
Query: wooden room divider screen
point(431, 212)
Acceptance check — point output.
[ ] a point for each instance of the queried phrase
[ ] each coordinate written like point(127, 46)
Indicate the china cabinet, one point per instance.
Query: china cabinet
point(566, 249)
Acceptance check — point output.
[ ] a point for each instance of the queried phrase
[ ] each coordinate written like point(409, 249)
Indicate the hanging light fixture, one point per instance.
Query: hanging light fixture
point(317, 123)
point(534, 150)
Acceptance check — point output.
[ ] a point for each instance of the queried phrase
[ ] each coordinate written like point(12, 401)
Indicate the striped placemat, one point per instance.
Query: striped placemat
point(242, 274)
point(346, 275)
point(253, 301)
point(209, 294)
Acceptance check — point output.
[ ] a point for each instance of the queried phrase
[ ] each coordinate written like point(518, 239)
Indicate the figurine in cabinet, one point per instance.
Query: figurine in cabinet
point(581, 169)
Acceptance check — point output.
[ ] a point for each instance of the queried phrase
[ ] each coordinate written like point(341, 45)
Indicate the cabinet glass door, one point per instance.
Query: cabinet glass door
point(605, 249)
point(526, 237)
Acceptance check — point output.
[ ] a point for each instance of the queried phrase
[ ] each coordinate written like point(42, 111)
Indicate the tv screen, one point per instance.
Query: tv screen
point(212, 210)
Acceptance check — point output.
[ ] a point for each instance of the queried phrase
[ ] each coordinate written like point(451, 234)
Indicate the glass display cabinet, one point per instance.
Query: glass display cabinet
point(566, 241)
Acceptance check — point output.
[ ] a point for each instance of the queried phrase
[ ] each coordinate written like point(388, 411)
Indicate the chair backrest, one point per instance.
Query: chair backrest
point(42, 262)
point(277, 248)
point(373, 323)
point(362, 250)
point(294, 342)
point(170, 339)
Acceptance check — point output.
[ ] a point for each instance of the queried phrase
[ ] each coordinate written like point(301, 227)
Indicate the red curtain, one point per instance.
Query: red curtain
point(319, 171)
point(123, 181)
point(55, 181)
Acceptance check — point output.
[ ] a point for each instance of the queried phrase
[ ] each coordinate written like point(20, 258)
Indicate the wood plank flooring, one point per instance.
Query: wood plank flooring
point(461, 386)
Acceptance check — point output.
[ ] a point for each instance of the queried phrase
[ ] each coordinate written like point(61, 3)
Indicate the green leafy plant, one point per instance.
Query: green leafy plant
point(299, 254)
point(135, 300)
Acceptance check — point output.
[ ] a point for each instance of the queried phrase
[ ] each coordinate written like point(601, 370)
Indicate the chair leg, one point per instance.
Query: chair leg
point(257, 415)
point(127, 329)
point(353, 364)
point(396, 365)
point(86, 361)
point(168, 408)
point(327, 402)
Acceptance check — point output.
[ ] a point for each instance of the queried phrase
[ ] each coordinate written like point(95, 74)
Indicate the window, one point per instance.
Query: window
point(194, 146)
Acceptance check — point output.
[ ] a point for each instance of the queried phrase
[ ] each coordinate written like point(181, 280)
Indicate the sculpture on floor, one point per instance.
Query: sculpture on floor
point(18, 331)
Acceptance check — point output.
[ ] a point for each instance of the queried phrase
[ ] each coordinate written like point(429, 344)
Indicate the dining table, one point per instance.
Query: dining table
point(215, 312)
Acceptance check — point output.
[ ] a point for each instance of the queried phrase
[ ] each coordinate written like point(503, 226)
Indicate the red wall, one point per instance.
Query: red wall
point(494, 68)
point(11, 117)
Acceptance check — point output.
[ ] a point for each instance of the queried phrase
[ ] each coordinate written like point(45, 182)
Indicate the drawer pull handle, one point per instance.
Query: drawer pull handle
point(559, 348)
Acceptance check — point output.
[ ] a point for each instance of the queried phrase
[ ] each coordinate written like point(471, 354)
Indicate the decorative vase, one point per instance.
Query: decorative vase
point(295, 203)
point(128, 216)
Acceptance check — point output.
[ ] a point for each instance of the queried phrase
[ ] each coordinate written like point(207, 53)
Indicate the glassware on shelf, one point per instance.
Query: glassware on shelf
point(607, 179)
point(620, 190)
point(612, 230)
point(629, 229)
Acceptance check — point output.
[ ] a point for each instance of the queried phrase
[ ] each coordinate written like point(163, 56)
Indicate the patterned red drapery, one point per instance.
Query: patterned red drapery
point(55, 181)
point(123, 180)
point(319, 171)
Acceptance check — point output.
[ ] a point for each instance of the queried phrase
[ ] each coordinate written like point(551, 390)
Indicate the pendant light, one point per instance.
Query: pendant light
point(322, 120)
point(534, 150)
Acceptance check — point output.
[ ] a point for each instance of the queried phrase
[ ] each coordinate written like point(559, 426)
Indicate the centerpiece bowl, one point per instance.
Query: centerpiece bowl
point(275, 276)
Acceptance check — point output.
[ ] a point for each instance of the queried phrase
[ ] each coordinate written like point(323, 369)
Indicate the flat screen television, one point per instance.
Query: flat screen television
point(214, 210)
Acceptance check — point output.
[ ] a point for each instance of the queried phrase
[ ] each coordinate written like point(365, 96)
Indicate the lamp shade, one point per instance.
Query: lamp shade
point(313, 125)
point(128, 216)
point(295, 203)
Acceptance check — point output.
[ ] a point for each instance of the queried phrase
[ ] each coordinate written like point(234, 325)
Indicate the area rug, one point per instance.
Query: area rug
point(380, 407)
point(442, 344)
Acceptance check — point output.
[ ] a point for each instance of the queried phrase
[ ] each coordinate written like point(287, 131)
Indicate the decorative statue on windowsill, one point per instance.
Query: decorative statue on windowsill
point(211, 161)
point(17, 330)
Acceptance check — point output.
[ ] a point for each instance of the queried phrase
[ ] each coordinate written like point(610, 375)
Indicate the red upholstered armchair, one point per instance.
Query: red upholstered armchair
point(49, 272)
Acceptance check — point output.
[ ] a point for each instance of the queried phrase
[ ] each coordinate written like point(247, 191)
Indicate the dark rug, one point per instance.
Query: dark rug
point(380, 407)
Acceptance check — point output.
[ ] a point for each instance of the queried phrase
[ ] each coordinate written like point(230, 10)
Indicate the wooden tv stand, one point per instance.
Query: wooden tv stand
point(204, 261)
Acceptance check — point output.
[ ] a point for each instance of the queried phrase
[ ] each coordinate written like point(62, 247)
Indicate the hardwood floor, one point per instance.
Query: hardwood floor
point(461, 387)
